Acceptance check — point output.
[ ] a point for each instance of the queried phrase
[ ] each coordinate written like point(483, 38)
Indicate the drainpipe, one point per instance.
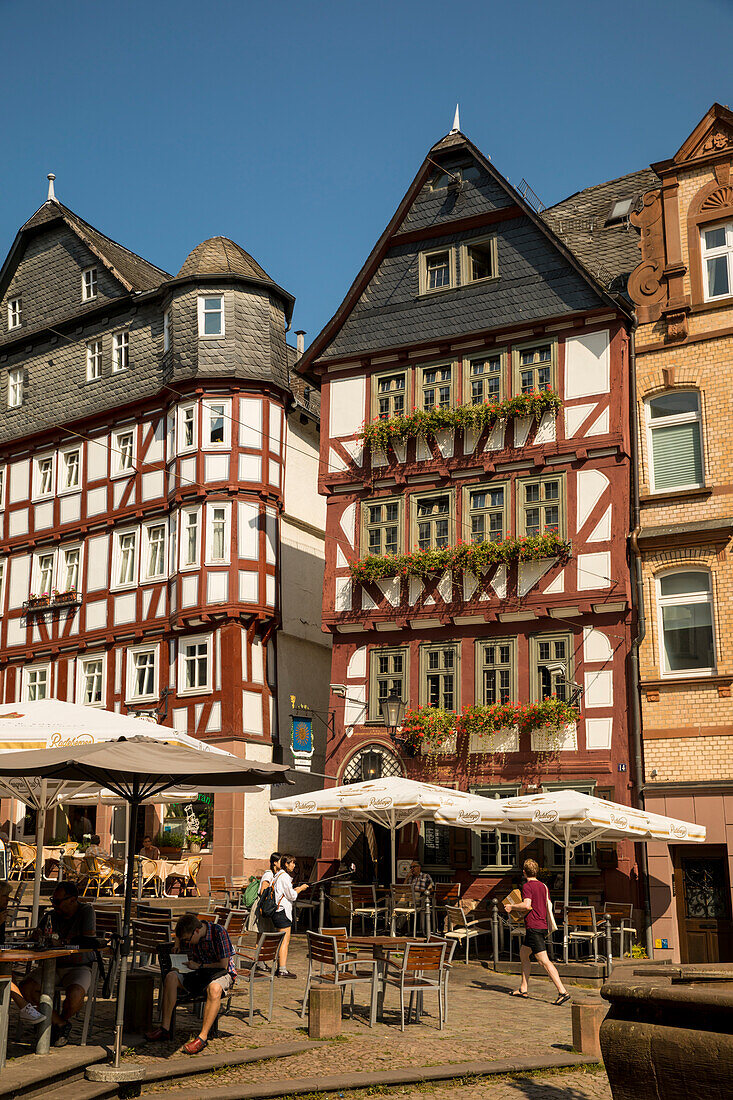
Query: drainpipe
point(637, 600)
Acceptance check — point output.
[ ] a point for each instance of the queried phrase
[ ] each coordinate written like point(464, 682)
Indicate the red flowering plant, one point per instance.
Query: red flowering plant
point(473, 556)
point(421, 422)
point(486, 720)
point(551, 713)
point(426, 728)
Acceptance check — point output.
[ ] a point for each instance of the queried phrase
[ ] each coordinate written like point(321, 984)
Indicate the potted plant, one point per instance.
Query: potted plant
point(425, 729)
point(170, 844)
point(68, 596)
point(41, 599)
point(195, 841)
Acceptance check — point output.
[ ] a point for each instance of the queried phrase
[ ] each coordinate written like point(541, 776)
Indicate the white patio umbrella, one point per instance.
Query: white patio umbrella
point(393, 802)
point(52, 724)
point(569, 818)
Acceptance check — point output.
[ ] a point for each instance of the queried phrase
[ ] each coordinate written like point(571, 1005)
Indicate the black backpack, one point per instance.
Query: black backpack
point(267, 905)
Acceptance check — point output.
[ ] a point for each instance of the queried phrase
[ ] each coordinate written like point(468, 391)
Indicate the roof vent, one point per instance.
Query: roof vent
point(51, 193)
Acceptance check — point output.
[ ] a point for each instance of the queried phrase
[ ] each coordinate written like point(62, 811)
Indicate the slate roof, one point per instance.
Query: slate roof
point(610, 253)
point(132, 270)
point(220, 256)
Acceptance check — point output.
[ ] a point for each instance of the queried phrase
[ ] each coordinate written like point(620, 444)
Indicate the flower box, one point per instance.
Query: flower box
point(555, 738)
point(446, 747)
point(501, 740)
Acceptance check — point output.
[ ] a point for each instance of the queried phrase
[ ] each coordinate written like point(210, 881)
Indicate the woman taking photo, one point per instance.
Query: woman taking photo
point(285, 895)
point(264, 924)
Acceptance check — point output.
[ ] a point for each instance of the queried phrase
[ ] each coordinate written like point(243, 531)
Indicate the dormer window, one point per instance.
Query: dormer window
point(167, 330)
point(88, 284)
point(619, 212)
point(437, 271)
point(120, 351)
point(717, 260)
point(211, 315)
point(15, 312)
point(15, 388)
point(479, 261)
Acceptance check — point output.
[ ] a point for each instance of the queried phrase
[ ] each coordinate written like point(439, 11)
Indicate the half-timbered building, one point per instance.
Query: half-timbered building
point(161, 536)
point(475, 459)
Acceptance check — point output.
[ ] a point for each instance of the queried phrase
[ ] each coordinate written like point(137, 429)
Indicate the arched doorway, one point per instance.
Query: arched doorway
point(364, 844)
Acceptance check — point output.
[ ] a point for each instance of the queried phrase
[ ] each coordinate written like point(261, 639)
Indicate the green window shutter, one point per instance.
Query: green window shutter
point(677, 456)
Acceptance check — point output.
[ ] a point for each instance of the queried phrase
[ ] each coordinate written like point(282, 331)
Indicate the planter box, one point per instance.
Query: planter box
point(549, 739)
point(450, 745)
point(504, 740)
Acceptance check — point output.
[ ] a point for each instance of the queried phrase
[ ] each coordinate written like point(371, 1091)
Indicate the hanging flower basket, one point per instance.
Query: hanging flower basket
point(43, 600)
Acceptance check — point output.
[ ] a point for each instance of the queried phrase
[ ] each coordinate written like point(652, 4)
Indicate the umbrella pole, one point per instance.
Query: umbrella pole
point(566, 900)
point(125, 947)
point(38, 873)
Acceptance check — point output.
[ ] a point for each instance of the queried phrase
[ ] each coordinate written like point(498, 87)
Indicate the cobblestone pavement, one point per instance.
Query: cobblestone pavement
point(484, 1024)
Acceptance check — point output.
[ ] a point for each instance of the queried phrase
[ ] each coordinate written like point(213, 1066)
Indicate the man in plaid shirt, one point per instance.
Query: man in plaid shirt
point(423, 886)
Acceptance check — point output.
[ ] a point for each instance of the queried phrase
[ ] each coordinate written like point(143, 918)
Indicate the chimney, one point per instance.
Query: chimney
point(51, 194)
point(300, 340)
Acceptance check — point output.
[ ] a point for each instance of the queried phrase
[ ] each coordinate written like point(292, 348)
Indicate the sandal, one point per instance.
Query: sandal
point(562, 999)
point(518, 993)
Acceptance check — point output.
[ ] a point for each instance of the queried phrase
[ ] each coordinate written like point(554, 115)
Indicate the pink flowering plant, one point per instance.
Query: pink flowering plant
point(423, 422)
point(472, 556)
point(428, 727)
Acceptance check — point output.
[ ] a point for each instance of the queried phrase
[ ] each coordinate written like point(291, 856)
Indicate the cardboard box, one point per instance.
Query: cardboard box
point(515, 898)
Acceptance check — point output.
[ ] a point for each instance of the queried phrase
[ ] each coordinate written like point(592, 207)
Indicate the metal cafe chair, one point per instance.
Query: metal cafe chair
point(326, 956)
point(463, 930)
point(582, 928)
point(419, 970)
point(445, 893)
point(364, 905)
point(24, 859)
point(619, 915)
point(446, 965)
point(218, 891)
point(402, 903)
point(260, 966)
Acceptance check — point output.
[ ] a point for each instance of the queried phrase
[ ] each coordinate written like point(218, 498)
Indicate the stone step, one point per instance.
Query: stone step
point(84, 1090)
point(34, 1074)
point(174, 1068)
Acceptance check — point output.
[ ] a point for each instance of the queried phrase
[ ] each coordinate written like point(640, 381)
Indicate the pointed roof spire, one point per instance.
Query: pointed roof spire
point(51, 193)
point(456, 122)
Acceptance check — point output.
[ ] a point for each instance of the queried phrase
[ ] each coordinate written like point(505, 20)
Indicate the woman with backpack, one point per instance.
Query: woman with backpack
point(285, 895)
point(264, 923)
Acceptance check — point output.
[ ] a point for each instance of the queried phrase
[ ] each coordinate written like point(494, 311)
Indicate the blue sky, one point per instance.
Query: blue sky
point(295, 128)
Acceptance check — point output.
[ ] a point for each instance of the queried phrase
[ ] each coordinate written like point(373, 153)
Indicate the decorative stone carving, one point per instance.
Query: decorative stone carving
point(676, 325)
point(718, 139)
point(647, 287)
point(720, 198)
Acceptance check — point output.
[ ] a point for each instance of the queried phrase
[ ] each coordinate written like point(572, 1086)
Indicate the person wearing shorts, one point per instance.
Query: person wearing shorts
point(285, 895)
point(211, 971)
point(534, 908)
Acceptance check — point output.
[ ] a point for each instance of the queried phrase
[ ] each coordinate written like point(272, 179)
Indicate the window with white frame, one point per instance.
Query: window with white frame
point(187, 428)
point(387, 675)
point(717, 260)
point(541, 506)
point(390, 392)
point(15, 312)
point(43, 567)
point(88, 284)
point(487, 513)
point(216, 423)
point(432, 526)
point(551, 666)
point(484, 379)
point(126, 558)
point(495, 670)
point(439, 682)
point(94, 360)
point(436, 384)
point(2, 486)
point(479, 260)
point(382, 520)
point(120, 351)
point(69, 567)
point(16, 387)
point(70, 462)
point(2, 584)
point(154, 551)
point(675, 441)
point(217, 540)
point(534, 367)
point(90, 681)
point(685, 602)
point(190, 535)
point(173, 542)
point(167, 330)
point(211, 315)
point(194, 674)
point(492, 849)
point(123, 451)
point(142, 673)
point(36, 683)
point(437, 270)
point(43, 476)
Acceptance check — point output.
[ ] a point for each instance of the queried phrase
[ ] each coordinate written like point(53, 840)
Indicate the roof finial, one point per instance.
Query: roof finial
point(456, 122)
point(51, 193)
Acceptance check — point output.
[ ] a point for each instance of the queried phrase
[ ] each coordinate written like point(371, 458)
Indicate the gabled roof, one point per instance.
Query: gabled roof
point(713, 134)
point(453, 142)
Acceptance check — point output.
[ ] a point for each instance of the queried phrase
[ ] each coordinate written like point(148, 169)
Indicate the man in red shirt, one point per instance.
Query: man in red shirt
point(534, 903)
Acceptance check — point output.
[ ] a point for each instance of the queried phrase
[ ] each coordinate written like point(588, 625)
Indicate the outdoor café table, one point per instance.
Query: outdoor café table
point(47, 959)
point(381, 947)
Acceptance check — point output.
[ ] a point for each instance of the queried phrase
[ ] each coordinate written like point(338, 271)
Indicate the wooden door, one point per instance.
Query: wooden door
point(702, 891)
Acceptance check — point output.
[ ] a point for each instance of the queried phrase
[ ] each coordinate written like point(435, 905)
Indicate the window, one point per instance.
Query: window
point(552, 666)
point(492, 849)
point(382, 527)
point(484, 380)
point(433, 526)
point(479, 260)
point(487, 513)
point(2, 486)
point(15, 312)
point(195, 666)
point(16, 386)
point(123, 451)
point(620, 211)
point(717, 260)
point(437, 270)
point(88, 284)
point(70, 470)
point(187, 427)
point(142, 673)
point(94, 360)
point(36, 683)
point(216, 423)
point(218, 539)
point(437, 387)
point(387, 673)
point(534, 367)
point(120, 351)
point(390, 391)
point(541, 506)
point(43, 476)
point(675, 448)
point(495, 671)
point(439, 676)
point(68, 580)
point(43, 581)
point(685, 602)
point(154, 550)
point(90, 679)
point(173, 544)
point(190, 538)
point(126, 572)
point(211, 315)
point(167, 330)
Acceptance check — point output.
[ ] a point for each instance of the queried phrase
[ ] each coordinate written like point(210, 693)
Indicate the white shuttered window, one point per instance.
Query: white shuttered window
point(675, 444)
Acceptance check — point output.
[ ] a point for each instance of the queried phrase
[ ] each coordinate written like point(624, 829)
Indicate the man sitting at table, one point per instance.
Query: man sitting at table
point(148, 850)
point(211, 970)
point(96, 849)
point(422, 885)
point(74, 923)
